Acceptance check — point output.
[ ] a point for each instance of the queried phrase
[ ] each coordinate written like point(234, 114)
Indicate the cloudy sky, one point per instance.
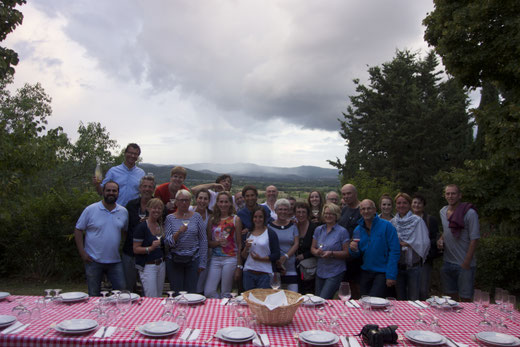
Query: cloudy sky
point(212, 81)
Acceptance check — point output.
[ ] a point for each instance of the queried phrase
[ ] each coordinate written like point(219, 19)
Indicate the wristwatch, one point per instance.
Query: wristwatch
point(240, 267)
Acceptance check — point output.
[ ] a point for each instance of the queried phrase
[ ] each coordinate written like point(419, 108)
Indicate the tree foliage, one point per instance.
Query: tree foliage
point(406, 124)
point(10, 18)
point(479, 42)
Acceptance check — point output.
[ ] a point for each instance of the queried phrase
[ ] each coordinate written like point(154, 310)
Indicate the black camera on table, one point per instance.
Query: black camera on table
point(375, 337)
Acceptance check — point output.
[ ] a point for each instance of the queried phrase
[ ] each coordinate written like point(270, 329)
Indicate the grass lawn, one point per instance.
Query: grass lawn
point(18, 286)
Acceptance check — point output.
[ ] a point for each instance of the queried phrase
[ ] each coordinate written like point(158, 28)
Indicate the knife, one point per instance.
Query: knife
point(260, 339)
point(104, 332)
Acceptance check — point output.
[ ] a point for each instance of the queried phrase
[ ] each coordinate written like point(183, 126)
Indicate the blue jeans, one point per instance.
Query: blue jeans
point(130, 271)
point(373, 283)
point(457, 280)
point(408, 283)
point(183, 276)
point(94, 272)
point(252, 280)
point(426, 277)
point(327, 287)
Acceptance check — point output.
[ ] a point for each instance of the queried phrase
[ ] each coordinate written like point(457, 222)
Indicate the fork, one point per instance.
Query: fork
point(49, 329)
point(135, 332)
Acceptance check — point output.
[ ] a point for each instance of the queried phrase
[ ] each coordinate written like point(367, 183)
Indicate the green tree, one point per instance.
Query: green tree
point(479, 44)
point(10, 18)
point(406, 124)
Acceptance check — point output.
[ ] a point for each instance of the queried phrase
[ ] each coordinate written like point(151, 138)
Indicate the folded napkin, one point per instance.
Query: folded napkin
point(411, 302)
point(271, 301)
point(353, 341)
point(14, 327)
point(419, 303)
point(265, 339)
point(451, 344)
point(355, 304)
point(224, 301)
point(348, 304)
point(109, 332)
point(194, 334)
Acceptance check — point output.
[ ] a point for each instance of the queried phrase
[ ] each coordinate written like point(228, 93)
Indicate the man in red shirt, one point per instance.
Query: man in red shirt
point(166, 191)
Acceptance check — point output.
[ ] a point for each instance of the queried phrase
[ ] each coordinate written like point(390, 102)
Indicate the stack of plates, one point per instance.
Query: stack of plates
point(6, 320)
point(375, 301)
point(319, 337)
point(240, 299)
point(73, 296)
point(4, 295)
point(235, 334)
point(497, 339)
point(134, 297)
point(312, 300)
point(158, 329)
point(425, 337)
point(439, 301)
point(193, 298)
point(76, 326)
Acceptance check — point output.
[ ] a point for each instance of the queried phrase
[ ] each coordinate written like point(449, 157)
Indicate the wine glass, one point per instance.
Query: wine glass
point(485, 323)
point(24, 316)
point(19, 306)
point(390, 306)
point(142, 213)
point(321, 324)
point(435, 325)
point(48, 296)
point(345, 295)
point(169, 306)
point(124, 301)
point(421, 323)
point(276, 281)
point(498, 297)
point(185, 220)
point(365, 304)
point(477, 297)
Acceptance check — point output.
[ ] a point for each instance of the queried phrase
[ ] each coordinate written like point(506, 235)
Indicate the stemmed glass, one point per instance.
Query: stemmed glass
point(334, 325)
point(498, 297)
point(485, 323)
point(48, 296)
point(505, 298)
point(276, 281)
point(182, 308)
point(445, 305)
point(389, 309)
point(510, 307)
point(321, 324)
point(344, 294)
point(19, 306)
point(435, 325)
point(142, 214)
point(240, 319)
point(124, 301)
point(185, 220)
point(169, 306)
point(477, 300)
point(421, 323)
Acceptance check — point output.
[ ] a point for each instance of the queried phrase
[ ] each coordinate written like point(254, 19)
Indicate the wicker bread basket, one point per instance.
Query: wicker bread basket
point(282, 315)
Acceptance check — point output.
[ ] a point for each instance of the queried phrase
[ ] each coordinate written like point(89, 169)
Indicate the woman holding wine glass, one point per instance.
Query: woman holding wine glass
point(186, 237)
point(224, 238)
point(261, 251)
point(148, 249)
point(330, 245)
point(315, 201)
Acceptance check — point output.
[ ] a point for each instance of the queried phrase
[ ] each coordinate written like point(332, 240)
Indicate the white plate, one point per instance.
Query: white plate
point(498, 339)
point(73, 296)
point(74, 331)
point(145, 333)
point(240, 299)
point(6, 320)
point(425, 337)
point(441, 300)
point(77, 324)
point(312, 300)
point(160, 328)
point(237, 333)
point(4, 295)
point(222, 337)
point(193, 298)
point(134, 297)
point(375, 301)
point(318, 337)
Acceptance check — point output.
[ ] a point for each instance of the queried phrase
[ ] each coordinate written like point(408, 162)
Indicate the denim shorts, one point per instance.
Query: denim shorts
point(455, 279)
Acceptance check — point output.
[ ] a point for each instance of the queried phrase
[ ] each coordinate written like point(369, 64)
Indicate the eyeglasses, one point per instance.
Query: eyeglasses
point(182, 200)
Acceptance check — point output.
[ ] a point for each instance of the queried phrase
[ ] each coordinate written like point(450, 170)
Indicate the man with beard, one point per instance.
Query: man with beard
point(136, 214)
point(102, 222)
point(126, 175)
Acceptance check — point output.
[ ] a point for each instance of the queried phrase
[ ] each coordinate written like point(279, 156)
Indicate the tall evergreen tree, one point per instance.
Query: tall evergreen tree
point(406, 124)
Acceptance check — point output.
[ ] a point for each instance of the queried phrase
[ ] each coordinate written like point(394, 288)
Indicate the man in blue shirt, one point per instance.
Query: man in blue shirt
point(127, 176)
point(102, 222)
point(250, 194)
point(380, 250)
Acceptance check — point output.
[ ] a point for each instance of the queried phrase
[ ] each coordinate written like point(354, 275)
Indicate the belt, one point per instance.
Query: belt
point(157, 261)
point(257, 272)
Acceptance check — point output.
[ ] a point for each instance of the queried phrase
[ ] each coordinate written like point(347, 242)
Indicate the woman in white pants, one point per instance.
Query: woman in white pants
point(224, 239)
point(148, 250)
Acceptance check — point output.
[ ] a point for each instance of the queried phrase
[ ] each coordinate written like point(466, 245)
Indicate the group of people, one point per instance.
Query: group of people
point(226, 240)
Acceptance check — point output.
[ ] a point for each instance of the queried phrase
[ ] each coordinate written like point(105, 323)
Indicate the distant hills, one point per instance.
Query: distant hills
point(247, 173)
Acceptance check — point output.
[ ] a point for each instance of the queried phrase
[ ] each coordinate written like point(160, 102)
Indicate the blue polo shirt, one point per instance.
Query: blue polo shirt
point(332, 241)
point(128, 180)
point(103, 231)
point(245, 217)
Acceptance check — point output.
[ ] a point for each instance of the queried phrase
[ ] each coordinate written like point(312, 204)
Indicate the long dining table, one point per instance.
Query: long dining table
point(459, 325)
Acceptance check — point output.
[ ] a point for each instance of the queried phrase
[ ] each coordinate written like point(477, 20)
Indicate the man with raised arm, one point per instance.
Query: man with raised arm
point(461, 231)
point(271, 195)
point(102, 222)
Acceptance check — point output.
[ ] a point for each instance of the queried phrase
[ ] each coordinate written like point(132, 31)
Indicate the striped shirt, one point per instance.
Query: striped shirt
point(192, 242)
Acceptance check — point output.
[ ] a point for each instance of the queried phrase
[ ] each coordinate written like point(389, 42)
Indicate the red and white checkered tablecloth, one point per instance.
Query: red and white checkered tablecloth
point(211, 316)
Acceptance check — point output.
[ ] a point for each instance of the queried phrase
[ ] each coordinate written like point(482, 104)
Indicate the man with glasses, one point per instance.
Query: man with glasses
point(127, 176)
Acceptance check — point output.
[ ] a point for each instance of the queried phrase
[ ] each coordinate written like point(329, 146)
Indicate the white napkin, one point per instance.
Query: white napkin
point(354, 342)
point(109, 332)
point(451, 344)
point(348, 304)
point(194, 334)
point(271, 301)
point(355, 304)
point(224, 301)
point(411, 302)
point(12, 328)
point(265, 339)
point(419, 303)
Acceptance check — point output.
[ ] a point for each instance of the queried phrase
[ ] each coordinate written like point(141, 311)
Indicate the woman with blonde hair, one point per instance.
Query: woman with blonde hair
point(224, 238)
point(149, 251)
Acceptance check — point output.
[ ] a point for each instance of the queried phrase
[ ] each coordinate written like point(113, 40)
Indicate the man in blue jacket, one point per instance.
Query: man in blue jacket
point(380, 249)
